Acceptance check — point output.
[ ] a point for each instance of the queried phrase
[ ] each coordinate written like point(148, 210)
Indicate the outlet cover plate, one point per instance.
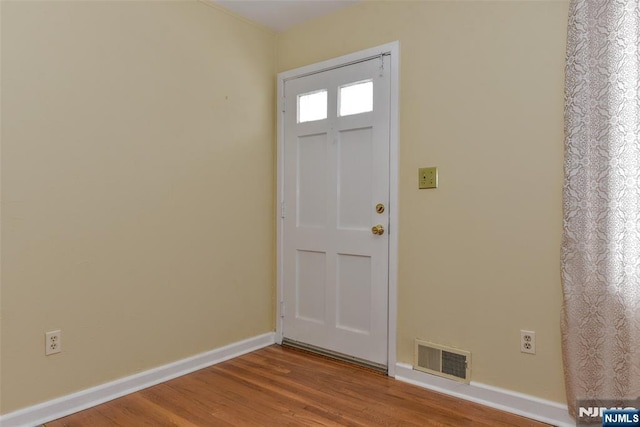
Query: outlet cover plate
point(428, 177)
point(527, 341)
point(53, 342)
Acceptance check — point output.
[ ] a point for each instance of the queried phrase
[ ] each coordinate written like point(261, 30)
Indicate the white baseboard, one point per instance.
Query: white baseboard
point(532, 407)
point(65, 405)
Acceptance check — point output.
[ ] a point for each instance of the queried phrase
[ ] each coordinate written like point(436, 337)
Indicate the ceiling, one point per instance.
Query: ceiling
point(283, 14)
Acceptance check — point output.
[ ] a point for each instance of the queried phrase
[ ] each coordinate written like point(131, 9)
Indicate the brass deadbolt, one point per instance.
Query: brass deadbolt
point(380, 208)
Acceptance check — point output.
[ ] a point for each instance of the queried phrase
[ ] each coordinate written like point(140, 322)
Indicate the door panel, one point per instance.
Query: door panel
point(336, 170)
point(354, 283)
point(355, 164)
point(310, 284)
point(312, 191)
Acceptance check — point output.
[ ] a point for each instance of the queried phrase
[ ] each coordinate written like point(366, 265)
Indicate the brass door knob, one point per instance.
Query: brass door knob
point(378, 230)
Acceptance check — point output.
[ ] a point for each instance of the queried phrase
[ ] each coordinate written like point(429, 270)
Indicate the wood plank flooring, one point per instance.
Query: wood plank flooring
point(279, 386)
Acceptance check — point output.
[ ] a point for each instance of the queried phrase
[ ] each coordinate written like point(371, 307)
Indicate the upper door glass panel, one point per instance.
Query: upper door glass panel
point(312, 106)
point(355, 98)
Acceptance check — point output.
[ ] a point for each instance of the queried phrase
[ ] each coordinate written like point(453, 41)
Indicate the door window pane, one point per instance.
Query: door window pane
point(356, 98)
point(312, 106)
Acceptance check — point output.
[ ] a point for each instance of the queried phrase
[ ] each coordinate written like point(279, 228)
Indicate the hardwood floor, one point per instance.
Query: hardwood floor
point(279, 386)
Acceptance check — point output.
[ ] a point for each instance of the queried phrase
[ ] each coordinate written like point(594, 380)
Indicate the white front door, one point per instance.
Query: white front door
point(335, 265)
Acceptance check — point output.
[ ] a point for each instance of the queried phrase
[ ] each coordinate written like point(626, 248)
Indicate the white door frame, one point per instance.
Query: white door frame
point(393, 49)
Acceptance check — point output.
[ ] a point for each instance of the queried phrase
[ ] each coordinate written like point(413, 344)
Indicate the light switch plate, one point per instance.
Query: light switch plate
point(428, 178)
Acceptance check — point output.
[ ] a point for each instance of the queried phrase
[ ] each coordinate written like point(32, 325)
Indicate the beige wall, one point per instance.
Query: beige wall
point(137, 188)
point(138, 197)
point(481, 98)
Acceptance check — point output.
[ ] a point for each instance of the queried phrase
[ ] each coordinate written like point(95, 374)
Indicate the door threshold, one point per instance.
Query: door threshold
point(286, 342)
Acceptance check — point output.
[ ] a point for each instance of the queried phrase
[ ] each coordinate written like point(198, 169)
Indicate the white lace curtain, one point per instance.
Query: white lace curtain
point(601, 245)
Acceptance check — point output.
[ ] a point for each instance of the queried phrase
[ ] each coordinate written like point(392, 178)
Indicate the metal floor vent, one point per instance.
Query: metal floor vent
point(443, 361)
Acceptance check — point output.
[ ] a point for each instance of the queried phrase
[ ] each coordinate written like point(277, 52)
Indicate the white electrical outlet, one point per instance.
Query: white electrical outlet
point(528, 342)
point(52, 342)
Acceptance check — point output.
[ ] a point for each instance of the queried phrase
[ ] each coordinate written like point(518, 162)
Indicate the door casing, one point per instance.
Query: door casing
point(392, 49)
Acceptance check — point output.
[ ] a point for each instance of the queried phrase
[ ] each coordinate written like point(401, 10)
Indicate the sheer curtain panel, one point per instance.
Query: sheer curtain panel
point(601, 242)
